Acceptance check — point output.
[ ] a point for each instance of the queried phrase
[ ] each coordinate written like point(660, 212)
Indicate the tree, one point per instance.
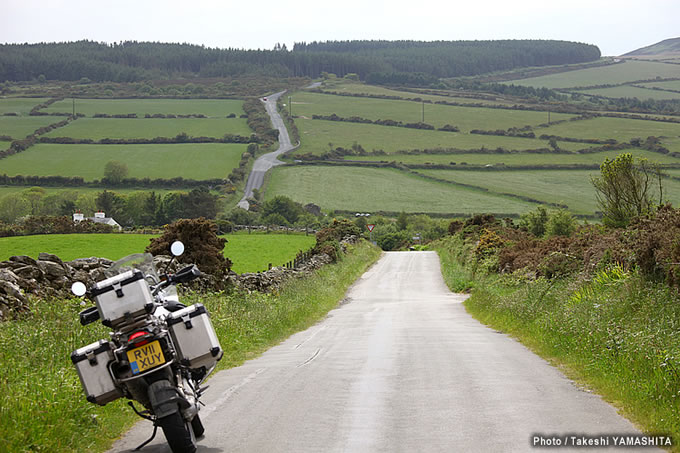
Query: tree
point(172, 208)
point(152, 207)
point(34, 196)
point(625, 188)
point(402, 221)
point(67, 207)
point(86, 203)
point(284, 206)
point(13, 206)
point(200, 203)
point(115, 172)
point(239, 216)
point(112, 205)
point(135, 208)
point(275, 218)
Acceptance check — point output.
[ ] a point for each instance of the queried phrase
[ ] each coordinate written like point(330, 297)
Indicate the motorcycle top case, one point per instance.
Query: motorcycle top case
point(92, 365)
point(194, 337)
point(123, 296)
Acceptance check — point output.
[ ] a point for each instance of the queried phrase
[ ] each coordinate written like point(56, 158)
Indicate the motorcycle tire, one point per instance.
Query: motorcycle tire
point(178, 433)
point(197, 426)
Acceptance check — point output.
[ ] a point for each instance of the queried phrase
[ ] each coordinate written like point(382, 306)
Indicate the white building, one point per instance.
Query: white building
point(99, 217)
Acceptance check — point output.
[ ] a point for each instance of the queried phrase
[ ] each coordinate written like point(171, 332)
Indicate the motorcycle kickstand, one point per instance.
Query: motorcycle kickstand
point(146, 417)
point(153, 435)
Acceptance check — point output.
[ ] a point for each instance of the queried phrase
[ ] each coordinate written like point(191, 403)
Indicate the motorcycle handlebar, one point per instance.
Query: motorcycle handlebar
point(185, 275)
point(88, 316)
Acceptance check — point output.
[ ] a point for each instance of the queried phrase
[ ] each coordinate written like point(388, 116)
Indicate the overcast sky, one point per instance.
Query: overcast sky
point(615, 26)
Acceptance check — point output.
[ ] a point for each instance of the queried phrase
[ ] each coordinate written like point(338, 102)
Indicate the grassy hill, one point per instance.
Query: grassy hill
point(664, 48)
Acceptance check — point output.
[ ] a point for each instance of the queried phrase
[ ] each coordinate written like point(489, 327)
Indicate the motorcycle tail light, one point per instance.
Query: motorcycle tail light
point(136, 335)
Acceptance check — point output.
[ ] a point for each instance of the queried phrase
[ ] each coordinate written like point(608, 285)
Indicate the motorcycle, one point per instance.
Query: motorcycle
point(159, 352)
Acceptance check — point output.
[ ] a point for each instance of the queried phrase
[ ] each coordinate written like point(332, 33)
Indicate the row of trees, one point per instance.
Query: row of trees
point(132, 61)
point(132, 209)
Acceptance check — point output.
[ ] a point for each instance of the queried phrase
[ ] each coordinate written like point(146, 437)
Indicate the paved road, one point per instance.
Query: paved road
point(264, 163)
point(399, 367)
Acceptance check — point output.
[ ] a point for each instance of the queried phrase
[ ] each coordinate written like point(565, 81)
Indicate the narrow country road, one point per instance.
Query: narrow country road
point(399, 366)
point(266, 162)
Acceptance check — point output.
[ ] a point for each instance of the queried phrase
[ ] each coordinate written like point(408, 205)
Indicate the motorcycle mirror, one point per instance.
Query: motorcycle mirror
point(79, 289)
point(177, 248)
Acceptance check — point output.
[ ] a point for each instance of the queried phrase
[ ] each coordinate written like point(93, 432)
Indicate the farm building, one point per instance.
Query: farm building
point(99, 217)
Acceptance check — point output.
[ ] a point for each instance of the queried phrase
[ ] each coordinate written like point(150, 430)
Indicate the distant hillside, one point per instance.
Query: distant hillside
point(406, 62)
point(664, 48)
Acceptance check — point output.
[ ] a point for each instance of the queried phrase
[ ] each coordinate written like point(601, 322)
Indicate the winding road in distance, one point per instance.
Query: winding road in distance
point(398, 366)
point(267, 161)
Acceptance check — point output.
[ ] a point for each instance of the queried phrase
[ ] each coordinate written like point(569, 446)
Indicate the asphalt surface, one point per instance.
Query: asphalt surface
point(267, 161)
point(399, 366)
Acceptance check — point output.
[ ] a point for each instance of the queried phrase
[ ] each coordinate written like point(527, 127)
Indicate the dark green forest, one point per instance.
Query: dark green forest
point(134, 61)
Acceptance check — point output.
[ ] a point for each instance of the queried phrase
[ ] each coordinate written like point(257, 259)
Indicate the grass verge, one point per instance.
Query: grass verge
point(617, 333)
point(42, 407)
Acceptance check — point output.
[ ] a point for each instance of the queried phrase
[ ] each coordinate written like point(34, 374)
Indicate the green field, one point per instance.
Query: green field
point(570, 187)
point(620, 129)
point(670, 85)
point(98, 128)
point(628, 71)
point(208, 160)
point(249, 252)
point(518, 158)
point(465, 118)
point(672, 143)
point(71, 246)
point(254, 252)
point(20, 127)
point(627, 91)
point(6, 190)
point(209, 107)
point(372, 189)
point(342, 86)
point(21, 106)
point(317, 134)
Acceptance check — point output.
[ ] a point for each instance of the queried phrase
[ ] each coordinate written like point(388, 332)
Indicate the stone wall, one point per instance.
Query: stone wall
point(50, 277)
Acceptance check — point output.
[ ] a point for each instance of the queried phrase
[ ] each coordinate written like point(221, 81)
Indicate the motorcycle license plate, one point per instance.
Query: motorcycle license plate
point(145, 357)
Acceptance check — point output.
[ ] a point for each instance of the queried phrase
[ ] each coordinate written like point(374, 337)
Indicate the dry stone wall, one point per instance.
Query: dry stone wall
point(50, 277)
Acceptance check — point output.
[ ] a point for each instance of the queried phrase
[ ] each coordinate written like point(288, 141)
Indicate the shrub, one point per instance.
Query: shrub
point(392, 241)
point(327, 239)
point(535, 222)
point(560, 223)
point(625, 188)
point(455, 226)
point(203, 247)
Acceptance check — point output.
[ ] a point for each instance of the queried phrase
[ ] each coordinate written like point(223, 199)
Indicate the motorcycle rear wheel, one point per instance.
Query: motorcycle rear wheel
point(178, 433)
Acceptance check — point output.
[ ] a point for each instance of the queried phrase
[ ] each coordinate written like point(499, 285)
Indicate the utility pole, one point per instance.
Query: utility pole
point(423, 111)
point(290, 107)
point(548, 116)
point(74, 108)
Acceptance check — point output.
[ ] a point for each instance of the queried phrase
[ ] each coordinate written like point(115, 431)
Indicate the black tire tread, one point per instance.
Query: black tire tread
point(177, 433)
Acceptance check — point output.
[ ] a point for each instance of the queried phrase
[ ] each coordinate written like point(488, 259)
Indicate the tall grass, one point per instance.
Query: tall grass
point(616, 332)
point(42, 406)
